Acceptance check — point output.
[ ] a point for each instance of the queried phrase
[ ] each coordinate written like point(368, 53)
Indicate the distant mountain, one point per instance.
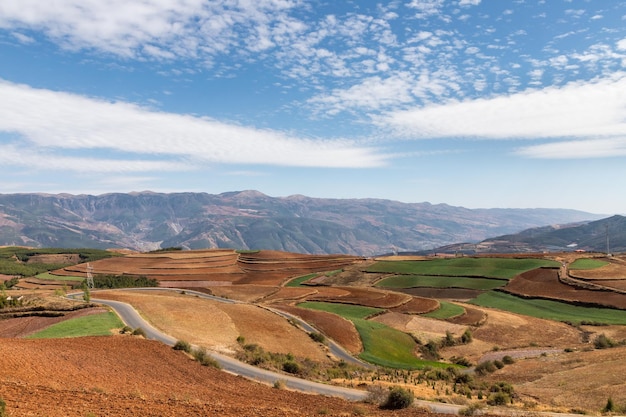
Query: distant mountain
point(252, 220)
point(595, 236)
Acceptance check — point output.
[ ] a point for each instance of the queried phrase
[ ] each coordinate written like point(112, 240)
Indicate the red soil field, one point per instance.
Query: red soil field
point(216, 265)
point(337, 328)
point(131, 376)
point(417, 305)
point(544, 283)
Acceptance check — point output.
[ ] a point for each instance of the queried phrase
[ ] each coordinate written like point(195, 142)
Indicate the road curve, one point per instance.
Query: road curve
point(131, 318)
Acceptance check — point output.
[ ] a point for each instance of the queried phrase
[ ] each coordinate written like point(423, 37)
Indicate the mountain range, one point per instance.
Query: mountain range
point(252, 220)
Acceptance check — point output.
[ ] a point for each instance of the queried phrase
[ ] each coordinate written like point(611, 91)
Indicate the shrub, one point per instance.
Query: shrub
point(375, 394)
point(126, 329)
point(470, 410)
point(202, 356)
point(291, 367)
point(318, 337)
point(398, 398)
point(182, 345)
point(279, 384)
point(484, 368)
point(603, 342)
point(609, 407)
point(3, 408)
point(139, 332)
point(498, 364)
point(508, 360)
point(499, 398)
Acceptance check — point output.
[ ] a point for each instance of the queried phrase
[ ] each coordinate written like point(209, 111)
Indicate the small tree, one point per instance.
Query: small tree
point(398, 398)
point(86, 292)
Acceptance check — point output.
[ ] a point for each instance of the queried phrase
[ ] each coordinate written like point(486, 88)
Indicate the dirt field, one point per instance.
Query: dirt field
point(569, 381)
point(423, 328)
point(340, 330)
point(130, 376)
point(545, 283)
point(217, 325)
point(505, 331)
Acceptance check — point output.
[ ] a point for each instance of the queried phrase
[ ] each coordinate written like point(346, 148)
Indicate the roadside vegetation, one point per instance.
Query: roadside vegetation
point(92, 325)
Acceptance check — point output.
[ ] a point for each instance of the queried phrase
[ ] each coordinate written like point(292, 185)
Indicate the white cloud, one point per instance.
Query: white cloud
point(57, 121)
point(469, 2)
point(577, 110)
point(181, 28)
point(372, 94)
point(582, 149)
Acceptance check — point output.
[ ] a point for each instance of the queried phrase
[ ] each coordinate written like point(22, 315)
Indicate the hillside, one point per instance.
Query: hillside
point(586, 236)
point(252, 220)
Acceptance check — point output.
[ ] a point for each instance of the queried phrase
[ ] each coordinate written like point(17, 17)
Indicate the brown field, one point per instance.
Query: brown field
point(216, 265)
point(134, 377)
point(217, 325)
point(337, 328)
point(368, 297)
point(417, 305)
point(544, 282)
point(423, 328)
point(569, 381)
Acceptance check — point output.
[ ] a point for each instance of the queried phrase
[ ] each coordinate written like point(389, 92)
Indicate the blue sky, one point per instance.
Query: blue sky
point(474, 103)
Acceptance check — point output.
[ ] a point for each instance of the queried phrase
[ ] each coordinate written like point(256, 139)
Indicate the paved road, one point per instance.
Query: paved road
point(131, 317)
point(338, 351)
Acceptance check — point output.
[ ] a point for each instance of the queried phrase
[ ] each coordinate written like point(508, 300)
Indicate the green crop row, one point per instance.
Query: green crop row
point(419, 281)
point(91, 325)
point(503, 268)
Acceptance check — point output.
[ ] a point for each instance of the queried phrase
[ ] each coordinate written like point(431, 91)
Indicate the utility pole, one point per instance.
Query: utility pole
point(89, 276)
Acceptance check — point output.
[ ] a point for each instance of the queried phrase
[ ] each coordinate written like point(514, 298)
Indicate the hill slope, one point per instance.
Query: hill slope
point(252, 220)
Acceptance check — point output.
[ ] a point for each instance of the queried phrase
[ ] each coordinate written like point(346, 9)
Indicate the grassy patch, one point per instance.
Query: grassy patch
point(551, 310)
point(418, 281)
point(297, 282)
point(92, 325)
point(445, 311)
point(586, 263)
point(382, 345)
point(503, 268)
point(49, 276)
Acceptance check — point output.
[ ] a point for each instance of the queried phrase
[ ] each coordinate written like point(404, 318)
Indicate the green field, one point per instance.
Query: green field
point(502, 268)
point(297, 282)
point(92, 325)
point(586, 263)
point(431, 281)
point(551, 310)
point(49, 276)
point(445, 311)
point(382, 345)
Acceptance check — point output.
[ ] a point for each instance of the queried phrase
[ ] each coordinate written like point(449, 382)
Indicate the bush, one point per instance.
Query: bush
point(318, 337)
point(202, 356)
point(609, 407)
point(182, 345)
point(126, 329)
point(508, 360)
point(499, 398)
point(291, 367)
point(3, 408)
point(398, 398)
point(139, 332)
point(603, 342)
point(279, 384)
point(484, 368)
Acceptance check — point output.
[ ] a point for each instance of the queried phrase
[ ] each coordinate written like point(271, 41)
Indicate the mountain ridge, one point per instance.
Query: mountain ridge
point(250, 219)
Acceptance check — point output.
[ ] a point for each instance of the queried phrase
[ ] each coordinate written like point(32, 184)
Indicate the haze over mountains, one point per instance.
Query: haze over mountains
point(252, 220)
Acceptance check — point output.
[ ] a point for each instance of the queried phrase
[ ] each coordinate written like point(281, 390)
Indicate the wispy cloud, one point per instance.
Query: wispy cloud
point(58, 120)
point(589, 111)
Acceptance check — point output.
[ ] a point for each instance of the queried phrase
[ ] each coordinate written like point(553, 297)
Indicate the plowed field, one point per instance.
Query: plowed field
point(128, 376)
point(545, 283)
point(215, 266)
